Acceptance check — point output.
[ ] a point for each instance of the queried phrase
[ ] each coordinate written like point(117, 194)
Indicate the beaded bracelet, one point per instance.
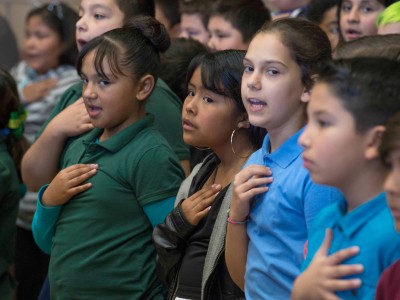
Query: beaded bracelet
point(236, 222)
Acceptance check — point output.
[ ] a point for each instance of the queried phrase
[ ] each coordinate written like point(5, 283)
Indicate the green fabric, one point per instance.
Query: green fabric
point(9, 200)
point(102, 247)
point(158, 211)
point(162, 103)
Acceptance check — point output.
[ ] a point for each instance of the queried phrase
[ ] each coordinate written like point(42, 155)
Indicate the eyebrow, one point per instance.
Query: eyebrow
point(266, 62)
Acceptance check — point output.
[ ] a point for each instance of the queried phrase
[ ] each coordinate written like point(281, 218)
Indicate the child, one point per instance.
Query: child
point(287, 8)
point(12, 147)
point(324, 13)
point(388, 21)
point(194, 19)
point(349, 108)
point(389, 151)
point(134, 174)
point(233, 23)
point(167, 13)
point(48, 69)
point(190, 242)
point(357, 18)
point(69, 118)
point(279, 72)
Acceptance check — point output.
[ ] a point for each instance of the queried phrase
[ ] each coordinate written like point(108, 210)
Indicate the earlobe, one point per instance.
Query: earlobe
point(305, 97)
point(244, 122)
point(374, 140)
point(146, 85)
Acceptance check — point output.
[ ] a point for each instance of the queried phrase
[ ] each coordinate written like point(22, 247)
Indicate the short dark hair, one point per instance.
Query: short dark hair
point(368, 87)
point(306, 42)
point(391, 138)
point(135, 47)
point(201, 7)
point(170, 9)
point(317, 8)
point(133, 8)
point(247, 16)
point(61, 19)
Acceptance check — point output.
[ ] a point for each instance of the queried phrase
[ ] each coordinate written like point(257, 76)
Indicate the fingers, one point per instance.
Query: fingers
point(343, 284)
point(341, 271)
point(326, 244)
point(205, 197)
point(341, 255)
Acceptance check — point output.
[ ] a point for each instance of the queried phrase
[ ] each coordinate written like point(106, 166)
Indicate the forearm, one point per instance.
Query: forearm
point(40, 162)
point(236, 252)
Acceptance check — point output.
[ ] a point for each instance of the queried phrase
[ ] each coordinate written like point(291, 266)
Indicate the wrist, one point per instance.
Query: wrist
point(233, 219)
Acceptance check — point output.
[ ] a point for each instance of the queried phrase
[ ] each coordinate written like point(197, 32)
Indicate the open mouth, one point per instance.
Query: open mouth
point(256, 104)
point(352, 34)
point(93, 110)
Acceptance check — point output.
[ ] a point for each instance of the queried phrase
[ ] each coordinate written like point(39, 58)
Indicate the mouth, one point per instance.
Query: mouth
point(81, 42)
point(307, 163)
point(93, 110)
point(187, 125)
point(352, 34)
point(256, 104)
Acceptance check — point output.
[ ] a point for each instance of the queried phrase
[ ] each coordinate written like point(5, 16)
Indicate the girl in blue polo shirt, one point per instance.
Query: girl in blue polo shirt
point(280, 69)
point(101, 245)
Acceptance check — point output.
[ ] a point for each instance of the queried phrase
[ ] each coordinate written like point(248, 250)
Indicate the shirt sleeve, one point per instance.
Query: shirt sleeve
point(157, 211)
point(44, 223)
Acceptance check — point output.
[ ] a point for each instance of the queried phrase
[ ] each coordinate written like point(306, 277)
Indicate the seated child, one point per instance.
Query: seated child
point(349, 108)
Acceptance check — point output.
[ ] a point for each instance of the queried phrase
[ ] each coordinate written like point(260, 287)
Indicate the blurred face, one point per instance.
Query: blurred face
point(42, 46)
point(205, 112)
point(272, 90)
point(286, 4)
point(173, 31)
point(110, 103)
point(193, 28)
point(392, 28)
point(224, 36)
point(392, 186)
point(97, 17)
point(330, 26)
point(358, 18)
point(331, 133)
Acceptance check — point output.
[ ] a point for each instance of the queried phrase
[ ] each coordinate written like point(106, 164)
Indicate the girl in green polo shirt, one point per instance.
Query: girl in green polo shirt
point(101, 246)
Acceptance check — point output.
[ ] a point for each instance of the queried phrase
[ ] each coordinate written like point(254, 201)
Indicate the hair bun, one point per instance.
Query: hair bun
point(153, 30)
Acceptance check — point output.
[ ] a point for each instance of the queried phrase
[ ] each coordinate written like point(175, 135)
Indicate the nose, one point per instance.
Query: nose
point(189, 105)
point(253, 81)
point(89, 91)
point(304, 138)
point(391, 184)
point(353, 16)
point(81, 24)
point(210, 43)
point(184, 34)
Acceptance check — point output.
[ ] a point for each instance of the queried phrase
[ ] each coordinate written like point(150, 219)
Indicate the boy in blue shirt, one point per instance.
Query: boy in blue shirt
point(349, 108)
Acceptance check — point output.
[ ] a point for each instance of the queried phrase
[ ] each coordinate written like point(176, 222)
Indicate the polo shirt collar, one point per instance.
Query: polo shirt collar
point(286, 153)
point(118, 141)
point(352, 222)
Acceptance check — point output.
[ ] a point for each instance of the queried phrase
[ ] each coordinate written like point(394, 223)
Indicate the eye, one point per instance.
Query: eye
point(190, 93)
point(104, 82)
point(367, 9)
point(207, 99)
point(272, 72)
point(84, 81)
point(323, 123)
point(99, 16)
point(248, 69)
point(346, 7)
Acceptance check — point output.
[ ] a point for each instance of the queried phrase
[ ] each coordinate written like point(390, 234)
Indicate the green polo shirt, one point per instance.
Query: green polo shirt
point(163, 103)
point(102, 247)
point(9, 200)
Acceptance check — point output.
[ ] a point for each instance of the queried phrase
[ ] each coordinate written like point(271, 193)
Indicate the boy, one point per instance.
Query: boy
point(349, 107)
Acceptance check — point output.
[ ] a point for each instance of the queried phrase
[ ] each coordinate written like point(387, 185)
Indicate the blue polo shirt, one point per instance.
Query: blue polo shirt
point(279, 220)
point(371, 227)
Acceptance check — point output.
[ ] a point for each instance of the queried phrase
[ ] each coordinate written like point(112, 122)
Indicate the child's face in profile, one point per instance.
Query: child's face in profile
point(192, 27)
point(392, 186)
point(42, 46)
point(97, 17)
point(358, 18)
point(110, 102)
point(332, 147)
point(330, 26)
point(224, 36)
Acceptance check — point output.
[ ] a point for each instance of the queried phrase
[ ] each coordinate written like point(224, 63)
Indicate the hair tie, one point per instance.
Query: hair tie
point(16, 122)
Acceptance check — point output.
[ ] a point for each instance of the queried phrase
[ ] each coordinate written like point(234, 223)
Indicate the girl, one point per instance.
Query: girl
point(48, 69)
point(12, 147)
point(134, 175)
point(389, 151)
point(191, 240)
point(279, 71)
point(357, 18)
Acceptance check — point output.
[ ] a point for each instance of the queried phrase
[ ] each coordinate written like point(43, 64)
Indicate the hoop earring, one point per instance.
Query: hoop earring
point(233, 149)
point(202, 148)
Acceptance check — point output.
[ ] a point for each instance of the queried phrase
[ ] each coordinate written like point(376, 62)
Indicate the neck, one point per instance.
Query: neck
point(366, 185)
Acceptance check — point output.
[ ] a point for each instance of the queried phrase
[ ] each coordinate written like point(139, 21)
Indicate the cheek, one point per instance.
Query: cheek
point(369, 25)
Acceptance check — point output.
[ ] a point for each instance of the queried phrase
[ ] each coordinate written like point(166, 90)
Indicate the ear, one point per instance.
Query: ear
point(145, 87)
point(305, 97)
point(374, 139)
point(243, 121)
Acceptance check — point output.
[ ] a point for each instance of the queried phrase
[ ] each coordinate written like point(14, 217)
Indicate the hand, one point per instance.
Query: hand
point(323, 276)
point(67, 183)
point(197, 206)
point(72, 121)
point(248, 183)
point(37, 90)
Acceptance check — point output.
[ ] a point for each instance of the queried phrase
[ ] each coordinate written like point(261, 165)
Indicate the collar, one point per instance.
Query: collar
point(351, 222)
point(286, 153)
point(119, 140)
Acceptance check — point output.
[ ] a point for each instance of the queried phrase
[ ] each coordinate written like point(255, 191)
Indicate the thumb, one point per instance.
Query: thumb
point(326, 243)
